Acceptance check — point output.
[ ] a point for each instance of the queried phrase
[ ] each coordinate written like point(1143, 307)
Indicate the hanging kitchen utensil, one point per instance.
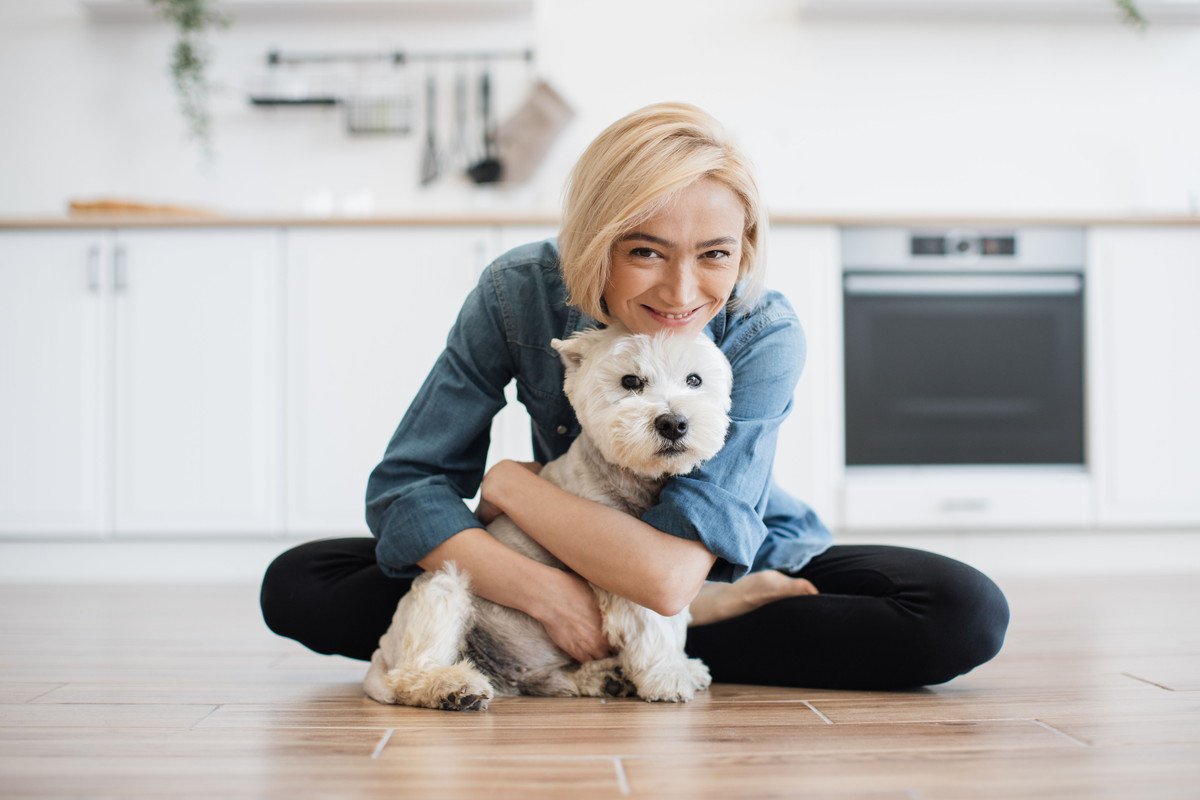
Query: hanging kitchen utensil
point(488, 169)
point(525, 137)
point(429, 157)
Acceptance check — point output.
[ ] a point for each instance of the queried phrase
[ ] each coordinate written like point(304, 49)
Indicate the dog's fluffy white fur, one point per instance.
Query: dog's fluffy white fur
point(649, 408)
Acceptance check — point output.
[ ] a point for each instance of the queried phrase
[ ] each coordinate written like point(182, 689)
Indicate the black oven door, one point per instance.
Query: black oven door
point(963, 368)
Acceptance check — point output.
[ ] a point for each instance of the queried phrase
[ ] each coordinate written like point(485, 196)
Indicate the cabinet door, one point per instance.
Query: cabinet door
point(53, 356)
point(1144, 392)
point(196, 366)
point(803, 264)
point(368, 313)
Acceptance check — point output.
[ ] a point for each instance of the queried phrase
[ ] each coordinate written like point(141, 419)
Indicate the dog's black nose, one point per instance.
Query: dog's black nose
point(671, 426)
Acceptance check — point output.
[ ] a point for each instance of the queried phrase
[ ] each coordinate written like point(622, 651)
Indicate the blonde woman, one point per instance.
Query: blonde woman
point(663, 229)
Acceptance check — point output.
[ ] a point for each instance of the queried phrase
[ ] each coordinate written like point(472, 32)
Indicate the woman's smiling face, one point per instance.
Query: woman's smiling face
point(675, 271)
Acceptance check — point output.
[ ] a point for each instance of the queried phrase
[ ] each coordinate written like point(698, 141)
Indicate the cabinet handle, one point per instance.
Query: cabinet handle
point(120, 269)
point(93, 269)
point(964, 504)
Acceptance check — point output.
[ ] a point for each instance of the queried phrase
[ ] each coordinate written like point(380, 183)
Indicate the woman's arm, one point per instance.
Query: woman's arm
point(611, 548)
point(564, 604)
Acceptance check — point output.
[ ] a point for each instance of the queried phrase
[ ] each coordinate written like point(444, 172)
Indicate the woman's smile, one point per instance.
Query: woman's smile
point(673, 319)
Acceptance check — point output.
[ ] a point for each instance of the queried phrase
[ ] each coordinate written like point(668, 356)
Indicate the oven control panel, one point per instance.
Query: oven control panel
point(963, 244)
point(930, 248)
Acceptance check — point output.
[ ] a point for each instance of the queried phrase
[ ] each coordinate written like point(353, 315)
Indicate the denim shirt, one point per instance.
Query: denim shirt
point(437, 455)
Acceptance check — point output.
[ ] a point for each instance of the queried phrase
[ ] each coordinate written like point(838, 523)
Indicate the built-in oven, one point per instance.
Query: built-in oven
point(963, 347)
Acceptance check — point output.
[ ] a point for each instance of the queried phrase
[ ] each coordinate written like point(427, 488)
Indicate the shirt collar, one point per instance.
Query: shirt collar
point(578, 321)
point(716, 326)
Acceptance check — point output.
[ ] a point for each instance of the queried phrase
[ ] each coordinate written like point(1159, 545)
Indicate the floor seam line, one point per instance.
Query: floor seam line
point(622, 780)
point(817, 711)
point(43, 694)
point(1063, 734)
point(206, 716)
point(382, 743)
point(1147, 680)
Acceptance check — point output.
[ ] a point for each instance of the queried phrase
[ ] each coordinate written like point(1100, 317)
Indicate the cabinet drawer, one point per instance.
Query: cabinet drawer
point(945, 498)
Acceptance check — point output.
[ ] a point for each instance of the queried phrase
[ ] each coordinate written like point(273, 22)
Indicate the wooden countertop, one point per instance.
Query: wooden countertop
point(91, 221)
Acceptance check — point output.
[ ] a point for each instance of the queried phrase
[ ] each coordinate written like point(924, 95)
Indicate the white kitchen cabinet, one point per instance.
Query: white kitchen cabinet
point(803, 264)
point(196, 375)
point(368, 313)
point(1144, 381)
point(54, 357)
point(139, 382)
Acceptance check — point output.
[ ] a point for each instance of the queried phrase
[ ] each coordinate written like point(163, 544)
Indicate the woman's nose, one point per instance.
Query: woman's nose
point(679, 288)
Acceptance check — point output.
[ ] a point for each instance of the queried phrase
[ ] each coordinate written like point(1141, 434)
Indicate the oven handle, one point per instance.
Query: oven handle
point(964, 284)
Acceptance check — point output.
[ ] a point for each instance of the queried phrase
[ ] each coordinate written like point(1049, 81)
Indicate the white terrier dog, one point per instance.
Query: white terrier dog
point(650, 408)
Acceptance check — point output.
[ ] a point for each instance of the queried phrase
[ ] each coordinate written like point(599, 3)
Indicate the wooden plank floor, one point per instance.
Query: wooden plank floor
point(182, 692)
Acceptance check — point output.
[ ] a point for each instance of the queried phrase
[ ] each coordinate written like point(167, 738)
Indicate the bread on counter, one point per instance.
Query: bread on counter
point(108, 205)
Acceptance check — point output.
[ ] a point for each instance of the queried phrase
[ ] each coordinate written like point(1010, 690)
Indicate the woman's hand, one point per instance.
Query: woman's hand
point(489, 508)
point(568, 609)
point(572, 619)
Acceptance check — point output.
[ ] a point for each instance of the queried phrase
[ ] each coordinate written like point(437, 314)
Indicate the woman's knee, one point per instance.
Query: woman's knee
point(968, 621)
point(280, 586)
point(292, 582)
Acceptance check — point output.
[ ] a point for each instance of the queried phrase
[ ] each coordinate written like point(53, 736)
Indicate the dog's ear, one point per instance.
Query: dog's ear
point(571, 350)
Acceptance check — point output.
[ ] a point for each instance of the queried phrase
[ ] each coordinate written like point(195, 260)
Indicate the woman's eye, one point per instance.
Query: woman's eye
point(693, 380)
point(632, 382)
point(716, 254)
point(642, 252)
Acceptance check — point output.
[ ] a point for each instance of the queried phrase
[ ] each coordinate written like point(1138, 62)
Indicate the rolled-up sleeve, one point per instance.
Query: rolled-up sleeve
point(436, 457)
point(722, 503)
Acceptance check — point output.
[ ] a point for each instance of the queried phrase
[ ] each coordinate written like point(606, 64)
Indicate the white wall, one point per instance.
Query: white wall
point(841, 117)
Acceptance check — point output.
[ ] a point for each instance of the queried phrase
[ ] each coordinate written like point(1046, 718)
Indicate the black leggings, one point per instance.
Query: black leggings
point(885, 618)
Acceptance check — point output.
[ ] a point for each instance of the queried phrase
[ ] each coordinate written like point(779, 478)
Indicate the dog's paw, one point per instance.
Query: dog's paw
point(701, 677)
point(603, 678)
point(617, 685)
point(676, 683)
point(460, 687)
point(458, 701)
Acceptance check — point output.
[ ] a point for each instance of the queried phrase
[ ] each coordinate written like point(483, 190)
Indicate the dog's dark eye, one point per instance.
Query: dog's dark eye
point(693, 380)
point(632, 382)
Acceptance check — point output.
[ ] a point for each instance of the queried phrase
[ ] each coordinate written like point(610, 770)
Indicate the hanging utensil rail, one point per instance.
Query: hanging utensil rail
point(276, 57)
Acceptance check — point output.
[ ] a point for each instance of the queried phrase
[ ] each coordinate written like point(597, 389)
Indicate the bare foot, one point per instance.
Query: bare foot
point(760, 588)
point(721, 601)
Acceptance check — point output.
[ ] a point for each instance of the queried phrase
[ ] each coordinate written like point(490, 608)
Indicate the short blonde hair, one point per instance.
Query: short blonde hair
point(630, 172)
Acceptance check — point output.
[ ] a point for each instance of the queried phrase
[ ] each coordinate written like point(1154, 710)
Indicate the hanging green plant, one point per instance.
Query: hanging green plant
point(1130, 14)
point(189, 61)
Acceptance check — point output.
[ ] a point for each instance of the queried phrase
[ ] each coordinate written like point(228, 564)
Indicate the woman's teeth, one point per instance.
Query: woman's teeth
point(673, 316)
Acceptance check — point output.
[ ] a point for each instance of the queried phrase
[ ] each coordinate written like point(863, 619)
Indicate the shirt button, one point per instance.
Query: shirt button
point(562, 430)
